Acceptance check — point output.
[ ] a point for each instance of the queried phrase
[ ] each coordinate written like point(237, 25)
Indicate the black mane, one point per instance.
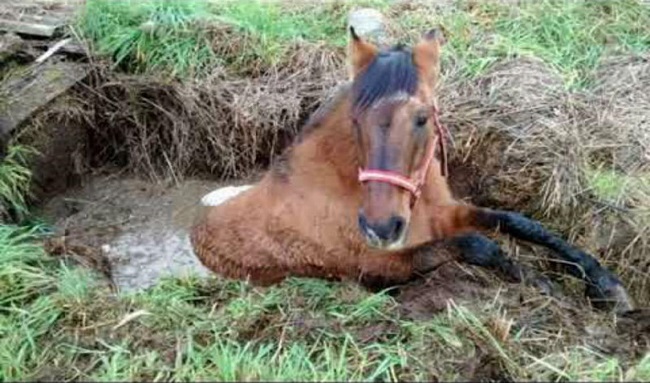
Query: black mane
point(389, 73)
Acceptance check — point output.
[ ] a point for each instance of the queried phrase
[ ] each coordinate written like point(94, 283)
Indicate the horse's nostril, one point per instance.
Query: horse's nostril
point(397, 224)
point(363, 222)
point(390, 230)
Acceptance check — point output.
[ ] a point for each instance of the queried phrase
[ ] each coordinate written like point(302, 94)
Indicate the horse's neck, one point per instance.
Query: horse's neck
point(327, 155)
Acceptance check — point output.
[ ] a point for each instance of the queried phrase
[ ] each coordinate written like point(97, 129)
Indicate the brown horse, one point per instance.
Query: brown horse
point(362, 193)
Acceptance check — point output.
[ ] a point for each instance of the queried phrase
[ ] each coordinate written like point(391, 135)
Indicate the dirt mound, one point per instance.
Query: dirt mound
point(535, 145)
point(562, 320)
point(517, 121)
point(621, 96)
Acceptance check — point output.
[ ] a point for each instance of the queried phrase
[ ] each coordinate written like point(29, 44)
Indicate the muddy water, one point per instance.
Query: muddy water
point(139, 226)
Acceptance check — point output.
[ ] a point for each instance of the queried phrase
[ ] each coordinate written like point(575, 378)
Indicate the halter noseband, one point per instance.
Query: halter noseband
point(414, 183)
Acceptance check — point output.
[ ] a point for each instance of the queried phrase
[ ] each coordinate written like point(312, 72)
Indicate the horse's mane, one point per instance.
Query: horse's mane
point(317, 118)
point(390, 73)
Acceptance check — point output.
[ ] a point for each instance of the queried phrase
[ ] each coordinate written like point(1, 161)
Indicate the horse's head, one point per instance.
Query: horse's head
point(395, 120)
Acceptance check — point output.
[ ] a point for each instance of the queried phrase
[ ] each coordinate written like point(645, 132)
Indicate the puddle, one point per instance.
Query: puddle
point(140, 227)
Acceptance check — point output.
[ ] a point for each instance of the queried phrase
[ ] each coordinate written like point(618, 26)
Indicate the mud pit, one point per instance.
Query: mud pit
point(140, 227)
point(138, 230)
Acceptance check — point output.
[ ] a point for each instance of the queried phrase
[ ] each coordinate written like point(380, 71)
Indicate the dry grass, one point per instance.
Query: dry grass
point(221, 125)
point(539, 144)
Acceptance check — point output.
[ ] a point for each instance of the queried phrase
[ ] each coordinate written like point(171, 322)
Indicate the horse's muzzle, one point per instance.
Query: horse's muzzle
point(388, 234)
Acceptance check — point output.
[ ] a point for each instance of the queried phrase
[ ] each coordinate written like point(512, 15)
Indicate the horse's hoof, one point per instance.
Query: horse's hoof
point(608, 293)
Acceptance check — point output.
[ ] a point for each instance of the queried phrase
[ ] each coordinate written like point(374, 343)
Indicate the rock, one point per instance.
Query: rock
point(369, 23)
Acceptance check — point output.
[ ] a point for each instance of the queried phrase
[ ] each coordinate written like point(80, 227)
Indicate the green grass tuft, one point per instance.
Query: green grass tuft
point(572, 36)
point(302, 329)
point(617, 188)
point(183, 38)
point(15, 182)
point(187, 39)
point(150, 36)
point(26, 308)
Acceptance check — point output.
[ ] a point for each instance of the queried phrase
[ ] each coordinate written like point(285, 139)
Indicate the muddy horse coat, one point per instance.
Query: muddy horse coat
point(362, 193)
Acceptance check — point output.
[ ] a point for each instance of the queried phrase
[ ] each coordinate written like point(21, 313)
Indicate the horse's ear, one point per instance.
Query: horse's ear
point(426, 55)
point(361, 53)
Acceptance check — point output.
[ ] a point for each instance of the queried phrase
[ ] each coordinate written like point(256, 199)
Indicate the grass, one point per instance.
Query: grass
point(57, 321)
point(150, 35)
point(15, 178)
point(187, 38)
point(618, 188)
point(571, 36)
point(178, 38)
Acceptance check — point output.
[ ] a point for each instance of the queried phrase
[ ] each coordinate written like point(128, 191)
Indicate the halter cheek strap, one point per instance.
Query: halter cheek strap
point(414, 183)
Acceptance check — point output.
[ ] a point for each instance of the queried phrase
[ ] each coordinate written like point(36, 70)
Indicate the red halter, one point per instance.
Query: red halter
point(414, 183)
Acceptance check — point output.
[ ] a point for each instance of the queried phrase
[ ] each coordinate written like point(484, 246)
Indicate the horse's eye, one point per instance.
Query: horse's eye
point(421, 121)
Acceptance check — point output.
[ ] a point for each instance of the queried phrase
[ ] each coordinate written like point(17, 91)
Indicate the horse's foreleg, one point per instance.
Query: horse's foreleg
point(602, 285)
point(380, 270)
point(388, 269)
point(479, 250)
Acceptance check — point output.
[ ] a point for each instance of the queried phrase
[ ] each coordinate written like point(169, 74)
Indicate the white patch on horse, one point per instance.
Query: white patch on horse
point(221, 195)
point(397, 97)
